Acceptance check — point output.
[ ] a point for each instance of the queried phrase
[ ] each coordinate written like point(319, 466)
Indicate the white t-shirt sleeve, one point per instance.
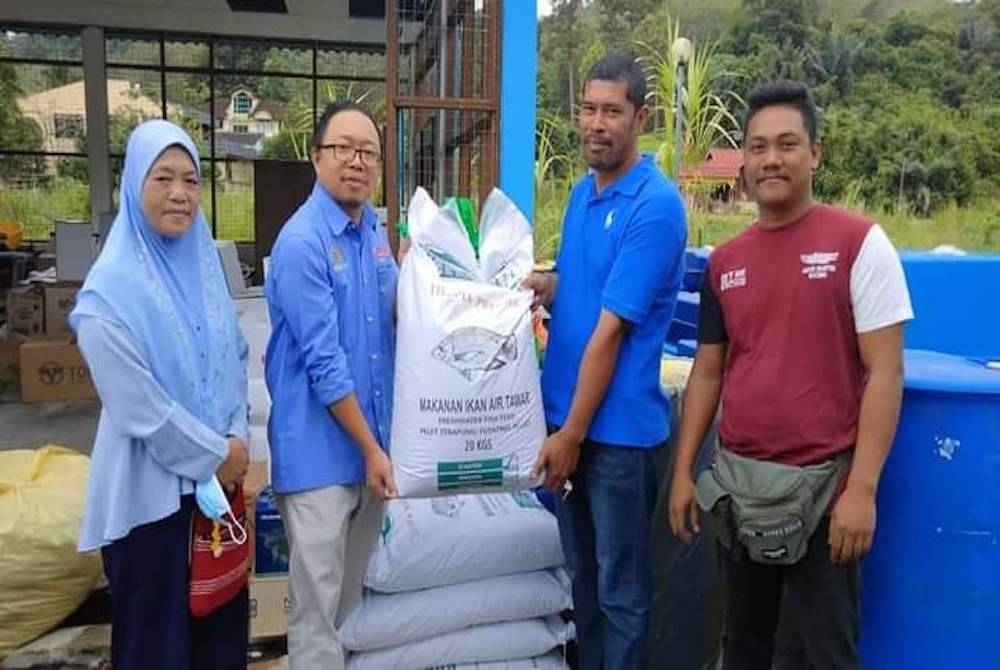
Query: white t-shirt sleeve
point(879, 295)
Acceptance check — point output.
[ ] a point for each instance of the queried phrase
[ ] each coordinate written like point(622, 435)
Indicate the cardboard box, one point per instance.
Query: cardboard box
point(60, 299)
point(257, 442)
point(26, 310)
point(76, 248)
point(257, 478)
point(269, 607)
point(269, 599)
point(13, 268)
point(10, 365)
point(271, 543)
point(54, 370)
point(253, 484)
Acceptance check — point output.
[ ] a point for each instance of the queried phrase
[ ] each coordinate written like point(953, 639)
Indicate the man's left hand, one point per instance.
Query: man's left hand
point(852, 525)
point(558, 459)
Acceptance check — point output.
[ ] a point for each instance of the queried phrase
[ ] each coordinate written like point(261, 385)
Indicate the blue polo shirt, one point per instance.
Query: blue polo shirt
point(331, 292)
point(622, 250)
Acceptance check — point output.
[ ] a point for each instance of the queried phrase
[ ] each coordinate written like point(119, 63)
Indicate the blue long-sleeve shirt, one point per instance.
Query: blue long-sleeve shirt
point(331, 291)
point(149, 449)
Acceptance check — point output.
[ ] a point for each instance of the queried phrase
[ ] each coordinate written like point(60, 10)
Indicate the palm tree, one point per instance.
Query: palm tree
point(833, 60)
point(708, 120)
point(300, 116)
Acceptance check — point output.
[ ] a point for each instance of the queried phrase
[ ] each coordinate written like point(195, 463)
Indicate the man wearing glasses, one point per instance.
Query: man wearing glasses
point(331, 289)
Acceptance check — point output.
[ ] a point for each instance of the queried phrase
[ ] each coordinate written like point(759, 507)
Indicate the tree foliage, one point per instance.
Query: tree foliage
point(16, 131)
point(908, 90)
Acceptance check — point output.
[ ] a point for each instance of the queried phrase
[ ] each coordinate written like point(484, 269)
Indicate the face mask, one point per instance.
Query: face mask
point(213, 503)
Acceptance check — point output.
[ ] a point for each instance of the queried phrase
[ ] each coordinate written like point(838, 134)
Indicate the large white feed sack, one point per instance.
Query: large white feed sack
point(449, 540)
point(478, 644)
point(467, 413)
point(255, 324)
point(388, 620)
point(256, 328)
point(259, 399)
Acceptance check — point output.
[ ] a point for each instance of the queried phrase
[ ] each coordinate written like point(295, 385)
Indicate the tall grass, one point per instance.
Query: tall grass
point(236, 214)
point(975, 228)
point(554, 176)
point(37, 209)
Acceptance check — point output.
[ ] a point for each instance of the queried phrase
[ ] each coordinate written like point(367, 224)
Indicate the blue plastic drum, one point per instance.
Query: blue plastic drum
point(931, 586)
point(950, 300)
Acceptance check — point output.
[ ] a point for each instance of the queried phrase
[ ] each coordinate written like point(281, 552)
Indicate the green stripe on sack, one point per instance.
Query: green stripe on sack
point(467, 466)
point(470, 474)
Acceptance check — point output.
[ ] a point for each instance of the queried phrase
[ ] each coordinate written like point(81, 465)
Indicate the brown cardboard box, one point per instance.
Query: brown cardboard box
point(256, 479)
point(13, 268)
point(269, 607)
point(60, 299)
point(54, 370)
point(269, 601)
point(26, 310)
point(10, 365)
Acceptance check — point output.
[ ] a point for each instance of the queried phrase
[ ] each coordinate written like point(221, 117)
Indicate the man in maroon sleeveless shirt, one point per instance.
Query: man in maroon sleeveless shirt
point(800, 337)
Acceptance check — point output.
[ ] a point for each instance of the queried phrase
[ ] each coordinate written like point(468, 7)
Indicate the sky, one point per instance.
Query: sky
point(544, 8)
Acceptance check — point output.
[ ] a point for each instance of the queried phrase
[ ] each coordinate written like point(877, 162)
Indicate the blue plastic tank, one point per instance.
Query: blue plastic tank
point(931, 585)
point(949, 300)
point(695, 263)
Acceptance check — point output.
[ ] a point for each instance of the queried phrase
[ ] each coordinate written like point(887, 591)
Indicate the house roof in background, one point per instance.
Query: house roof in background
point(720, 164)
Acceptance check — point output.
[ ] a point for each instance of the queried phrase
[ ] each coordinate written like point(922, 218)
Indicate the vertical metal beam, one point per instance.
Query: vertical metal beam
point(315, 86)
point(467, 91)
point(494, 80)
point(679, 105)
point(98, 143)
point(163, 76)
point(391, 185)
point(211, 132)
point(442, 127)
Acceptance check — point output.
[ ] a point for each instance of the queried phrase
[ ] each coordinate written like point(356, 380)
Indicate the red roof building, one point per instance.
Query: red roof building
point(722, 168)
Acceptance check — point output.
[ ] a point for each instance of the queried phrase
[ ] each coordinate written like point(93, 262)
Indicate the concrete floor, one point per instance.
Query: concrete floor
point(68, 424)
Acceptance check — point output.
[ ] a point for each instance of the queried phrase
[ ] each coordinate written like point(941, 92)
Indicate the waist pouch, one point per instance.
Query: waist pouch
point(771, 509)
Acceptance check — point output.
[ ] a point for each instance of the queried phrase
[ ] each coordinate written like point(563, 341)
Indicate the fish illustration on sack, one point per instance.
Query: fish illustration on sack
point(474, 352)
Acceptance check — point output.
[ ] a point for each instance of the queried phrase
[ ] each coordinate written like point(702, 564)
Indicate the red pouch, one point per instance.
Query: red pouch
point(220, 565)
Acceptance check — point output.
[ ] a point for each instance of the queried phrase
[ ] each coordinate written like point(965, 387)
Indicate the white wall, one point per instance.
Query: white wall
point(324, 20)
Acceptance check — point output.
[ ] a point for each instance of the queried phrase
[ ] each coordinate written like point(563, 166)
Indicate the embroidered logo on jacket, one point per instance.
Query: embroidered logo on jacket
point(339, 261)
point(609, 219)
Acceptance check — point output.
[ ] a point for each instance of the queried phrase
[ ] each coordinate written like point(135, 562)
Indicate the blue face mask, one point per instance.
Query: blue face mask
point(213, 503)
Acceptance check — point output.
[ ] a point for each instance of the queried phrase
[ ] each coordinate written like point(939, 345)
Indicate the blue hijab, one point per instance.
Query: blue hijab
point(169, 293)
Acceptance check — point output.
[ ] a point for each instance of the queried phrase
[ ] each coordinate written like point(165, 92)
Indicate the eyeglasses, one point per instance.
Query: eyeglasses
point(346, 153)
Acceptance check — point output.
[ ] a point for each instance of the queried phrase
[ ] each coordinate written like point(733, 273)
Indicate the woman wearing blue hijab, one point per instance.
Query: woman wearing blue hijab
point(158, 329)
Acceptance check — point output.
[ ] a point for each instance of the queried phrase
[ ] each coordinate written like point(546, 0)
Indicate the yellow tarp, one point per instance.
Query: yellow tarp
point(42, 578)
point(674, 372)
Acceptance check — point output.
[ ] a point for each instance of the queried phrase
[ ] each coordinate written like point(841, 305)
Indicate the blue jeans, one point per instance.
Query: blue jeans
point(604, 525)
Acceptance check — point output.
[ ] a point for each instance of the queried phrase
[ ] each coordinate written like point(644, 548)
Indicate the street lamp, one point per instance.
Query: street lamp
point(681, 51)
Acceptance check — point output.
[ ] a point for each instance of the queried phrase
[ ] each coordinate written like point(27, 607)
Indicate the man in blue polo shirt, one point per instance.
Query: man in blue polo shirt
point(611, 298)
point(331, 291)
